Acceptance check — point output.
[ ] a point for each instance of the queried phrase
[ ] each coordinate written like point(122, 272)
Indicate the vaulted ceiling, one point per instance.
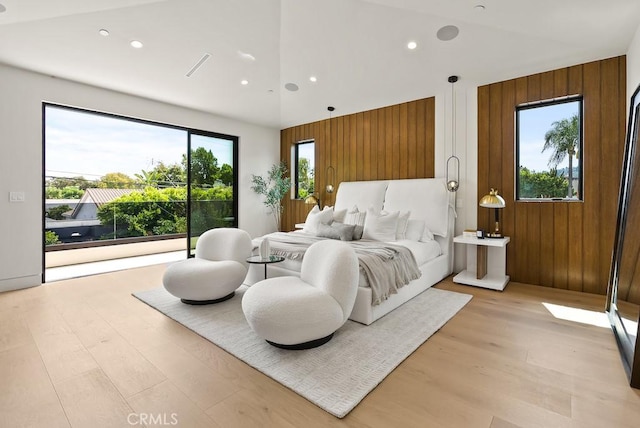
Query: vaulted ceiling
point(357, 49)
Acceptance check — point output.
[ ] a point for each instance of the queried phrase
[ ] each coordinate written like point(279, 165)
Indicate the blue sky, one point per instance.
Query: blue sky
point(534, 123)
point(91, 145)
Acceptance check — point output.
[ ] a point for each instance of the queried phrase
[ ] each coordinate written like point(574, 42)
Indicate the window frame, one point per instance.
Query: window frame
point(296, 155)
point(546, 103)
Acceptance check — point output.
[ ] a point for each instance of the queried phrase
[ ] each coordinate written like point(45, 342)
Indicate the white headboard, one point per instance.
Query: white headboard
point(426, 198)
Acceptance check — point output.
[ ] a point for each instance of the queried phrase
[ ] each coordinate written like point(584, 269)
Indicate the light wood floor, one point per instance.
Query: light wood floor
point(85, 353)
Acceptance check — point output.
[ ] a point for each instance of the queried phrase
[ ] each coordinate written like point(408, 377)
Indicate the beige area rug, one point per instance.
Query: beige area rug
point(335, 376)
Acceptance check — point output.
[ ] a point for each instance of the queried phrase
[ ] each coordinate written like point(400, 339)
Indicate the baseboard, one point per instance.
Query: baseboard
point(20, 282)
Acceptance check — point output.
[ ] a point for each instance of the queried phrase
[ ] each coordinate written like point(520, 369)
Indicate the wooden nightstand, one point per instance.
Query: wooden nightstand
point(486, 262)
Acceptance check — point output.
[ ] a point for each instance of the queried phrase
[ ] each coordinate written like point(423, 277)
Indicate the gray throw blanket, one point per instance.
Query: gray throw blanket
point(386, 267)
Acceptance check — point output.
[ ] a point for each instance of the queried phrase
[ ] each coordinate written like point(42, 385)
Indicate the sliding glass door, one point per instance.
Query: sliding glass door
point(212, 183)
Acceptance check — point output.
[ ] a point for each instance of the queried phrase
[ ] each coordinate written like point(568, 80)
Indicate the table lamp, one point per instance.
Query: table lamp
point(495, 201)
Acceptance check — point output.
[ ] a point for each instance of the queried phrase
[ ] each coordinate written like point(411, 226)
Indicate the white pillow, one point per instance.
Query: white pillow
point(415, 230)
point(315, 217)
point(401, 230)
point(354, 216)
point(338, 215)
point(380, 227)
point(427, 235)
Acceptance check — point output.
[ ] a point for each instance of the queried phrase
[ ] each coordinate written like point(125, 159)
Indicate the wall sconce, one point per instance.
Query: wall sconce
point(453, 180)
point(331, 175)
point(495, 201)
point(330, 179)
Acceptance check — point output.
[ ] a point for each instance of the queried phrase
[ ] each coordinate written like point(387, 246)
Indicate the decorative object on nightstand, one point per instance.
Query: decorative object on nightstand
point(313, 200)
point(486, 262)
point(495, 201)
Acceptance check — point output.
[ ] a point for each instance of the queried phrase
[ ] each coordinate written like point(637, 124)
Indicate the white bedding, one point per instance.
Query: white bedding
point(422, 251)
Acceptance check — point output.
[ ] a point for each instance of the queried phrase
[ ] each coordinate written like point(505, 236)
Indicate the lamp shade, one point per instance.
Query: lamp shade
point(312, 200)
point(492, 200)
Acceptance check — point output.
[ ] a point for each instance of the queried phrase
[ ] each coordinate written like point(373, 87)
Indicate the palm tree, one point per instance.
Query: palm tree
point(563, 139)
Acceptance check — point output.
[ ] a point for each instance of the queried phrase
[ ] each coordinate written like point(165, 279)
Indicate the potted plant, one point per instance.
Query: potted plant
point(274, 187)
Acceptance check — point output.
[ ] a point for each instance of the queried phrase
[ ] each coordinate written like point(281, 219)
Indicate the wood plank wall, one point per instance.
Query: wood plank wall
point(387, 143)
point(564, 245)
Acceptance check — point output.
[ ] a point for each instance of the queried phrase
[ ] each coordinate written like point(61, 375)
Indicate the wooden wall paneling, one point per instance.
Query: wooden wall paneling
point(560, 82)
point(366, 145)
point(359, 137)
point(576, 243)
point(430, 144)
point(388, 130)
point(533, 237)
point(351, 136)
point(575, 80)
point(591, 158)
point(573, 239)
point(507, 185)
point(403, 146)
point(483, 151)
point(561, 245)
point(395, 138)
point(611, 156)
point(373, 145)
point(517, 267)
point(546, 85)
point(412, 120)
point(496, 143)
point(421, 123)
point(547, 235)
point(382, 146)
point(378, 144)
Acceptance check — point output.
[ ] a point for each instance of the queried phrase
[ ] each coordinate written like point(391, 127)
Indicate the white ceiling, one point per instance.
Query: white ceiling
point(356, 48)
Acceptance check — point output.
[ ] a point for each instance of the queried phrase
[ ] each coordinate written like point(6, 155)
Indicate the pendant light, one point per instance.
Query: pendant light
point(453, 163)
point(330, 174)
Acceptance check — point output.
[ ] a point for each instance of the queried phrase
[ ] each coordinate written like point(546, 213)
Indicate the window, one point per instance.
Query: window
point(549, 150)
point(304, 155)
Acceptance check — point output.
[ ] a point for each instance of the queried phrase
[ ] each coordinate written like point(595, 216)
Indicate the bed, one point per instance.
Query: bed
point(425, 200)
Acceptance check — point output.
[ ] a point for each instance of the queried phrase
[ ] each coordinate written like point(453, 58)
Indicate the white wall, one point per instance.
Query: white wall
point(21, 97)
point(466, 149)
point(633, 66)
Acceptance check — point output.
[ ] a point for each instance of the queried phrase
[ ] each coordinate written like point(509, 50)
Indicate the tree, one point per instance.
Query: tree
point(273, 188)
point(226, 174)
point(116, 180)
point(55, 213)
point(204, 167)
point(62, 182)
point(562, 138)
point(162, 175)
point(305, 178)
point(50, 237)
point(546, 184)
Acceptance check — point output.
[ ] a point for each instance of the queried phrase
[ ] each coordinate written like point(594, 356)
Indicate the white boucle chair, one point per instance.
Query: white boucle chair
point(218, 269)
point(301, 313)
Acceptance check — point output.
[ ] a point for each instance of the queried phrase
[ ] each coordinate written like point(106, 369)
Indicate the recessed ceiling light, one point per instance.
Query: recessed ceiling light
point(2, 8)
point(291, 87)
point(103, 32)
point(412, 45)
point(244, 82)
point(136, 44)
point(314, 79)
point(448, 32)
point(479, 7)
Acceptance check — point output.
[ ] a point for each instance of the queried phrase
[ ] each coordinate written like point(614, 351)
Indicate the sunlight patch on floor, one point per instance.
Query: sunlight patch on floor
point(583, 316)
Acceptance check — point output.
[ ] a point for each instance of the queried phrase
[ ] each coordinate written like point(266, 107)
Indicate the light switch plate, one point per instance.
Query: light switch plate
point(16, 196)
